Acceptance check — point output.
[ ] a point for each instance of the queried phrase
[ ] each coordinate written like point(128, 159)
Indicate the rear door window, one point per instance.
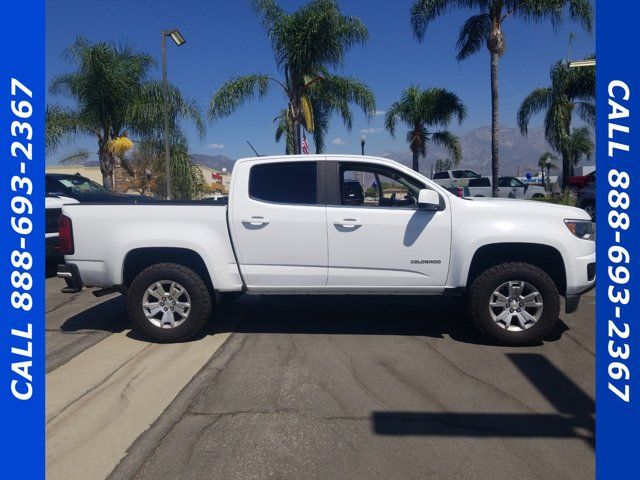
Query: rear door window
point(292, 183)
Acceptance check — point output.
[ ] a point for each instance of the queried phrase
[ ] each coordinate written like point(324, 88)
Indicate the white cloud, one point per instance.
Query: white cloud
point(337, 141)
point(216, 146)
point(371, 130)
point(377, 113)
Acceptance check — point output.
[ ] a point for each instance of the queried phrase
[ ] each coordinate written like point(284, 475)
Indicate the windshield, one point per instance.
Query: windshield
point(83, 186)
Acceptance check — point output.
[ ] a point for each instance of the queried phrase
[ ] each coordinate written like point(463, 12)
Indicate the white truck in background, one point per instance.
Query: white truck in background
point(454, 178)
point(508, 187)
point(291, 227)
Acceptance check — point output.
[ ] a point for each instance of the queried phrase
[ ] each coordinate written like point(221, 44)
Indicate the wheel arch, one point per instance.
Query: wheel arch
point(545, 257)
point(138, 259)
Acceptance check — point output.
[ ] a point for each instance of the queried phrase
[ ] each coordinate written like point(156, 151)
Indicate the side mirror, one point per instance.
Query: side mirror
point(428, 199)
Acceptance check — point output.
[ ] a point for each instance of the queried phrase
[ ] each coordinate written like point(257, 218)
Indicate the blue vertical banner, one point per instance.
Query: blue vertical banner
point(22, 274)
point(618, 252)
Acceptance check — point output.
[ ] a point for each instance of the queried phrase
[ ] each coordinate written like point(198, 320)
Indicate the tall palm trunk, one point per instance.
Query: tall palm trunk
point(567, 164)
point(416, 160)
point(106, 166)
point(298, 137)
point(566, 169)
point(495, 124)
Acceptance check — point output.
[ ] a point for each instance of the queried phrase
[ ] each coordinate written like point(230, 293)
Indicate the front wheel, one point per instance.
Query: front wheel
point(514, 303)
point(168, 302)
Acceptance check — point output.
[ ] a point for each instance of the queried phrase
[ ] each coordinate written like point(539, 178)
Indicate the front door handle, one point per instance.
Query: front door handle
point(256, 221)
point(347, 222)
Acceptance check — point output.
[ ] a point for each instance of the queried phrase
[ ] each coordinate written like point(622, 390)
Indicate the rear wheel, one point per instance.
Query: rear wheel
point(514, 303)
point(169, 303)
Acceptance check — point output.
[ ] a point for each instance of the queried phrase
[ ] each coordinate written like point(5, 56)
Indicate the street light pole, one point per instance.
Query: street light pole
point(362, 140)
point(178, 39)
point(165, 112)
point(548, 177)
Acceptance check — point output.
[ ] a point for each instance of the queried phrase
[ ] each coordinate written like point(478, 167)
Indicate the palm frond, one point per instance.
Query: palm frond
point(146, 116)
point(62, 124)
point(450, 142)
point(424, 12)
point(534, 103)
point(473, 35)
point(79, 158)
point(236, 91)
point(587, 113)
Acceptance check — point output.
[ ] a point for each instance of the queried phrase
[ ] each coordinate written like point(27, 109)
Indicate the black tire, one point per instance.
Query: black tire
point(200, 301)
point(589, 207)
point(485, 284)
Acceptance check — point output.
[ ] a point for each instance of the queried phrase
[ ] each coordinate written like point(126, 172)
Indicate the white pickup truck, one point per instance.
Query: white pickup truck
point(290, 228)
point(508, 187)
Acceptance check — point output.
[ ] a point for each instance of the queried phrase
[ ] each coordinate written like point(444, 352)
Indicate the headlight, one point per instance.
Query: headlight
point(583, 229)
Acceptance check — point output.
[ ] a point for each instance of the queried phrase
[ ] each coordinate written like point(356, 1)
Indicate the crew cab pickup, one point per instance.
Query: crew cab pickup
point(292, 226)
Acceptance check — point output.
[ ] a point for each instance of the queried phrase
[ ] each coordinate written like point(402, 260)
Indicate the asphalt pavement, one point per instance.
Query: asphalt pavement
point(316, 387)
point(377, 387)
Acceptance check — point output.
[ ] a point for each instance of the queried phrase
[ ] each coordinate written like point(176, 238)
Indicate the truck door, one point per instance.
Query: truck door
point(383, 240)
point(278, 222)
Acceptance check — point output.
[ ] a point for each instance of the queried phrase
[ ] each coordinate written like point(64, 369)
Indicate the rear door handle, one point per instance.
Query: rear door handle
point(347, 222)
point(256, 220)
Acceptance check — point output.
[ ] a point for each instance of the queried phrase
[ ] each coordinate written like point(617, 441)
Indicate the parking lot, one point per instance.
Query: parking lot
point(315, 387)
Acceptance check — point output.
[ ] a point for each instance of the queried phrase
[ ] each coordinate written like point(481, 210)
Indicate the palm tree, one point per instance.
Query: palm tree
point(113, 98)
point(579, 145)
point(485, 28)
point(422, 110)
point(305, 43)
point(572, 89)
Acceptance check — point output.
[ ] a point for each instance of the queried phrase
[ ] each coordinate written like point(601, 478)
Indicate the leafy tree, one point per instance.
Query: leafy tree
point(113, 98)
point(422, 110)
point(187, 181)
point(572, 90)
point(443, 164)
point(305, 44)
point(485, 28)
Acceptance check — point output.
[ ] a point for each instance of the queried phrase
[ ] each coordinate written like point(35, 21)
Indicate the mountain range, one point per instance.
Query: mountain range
point(518, 154)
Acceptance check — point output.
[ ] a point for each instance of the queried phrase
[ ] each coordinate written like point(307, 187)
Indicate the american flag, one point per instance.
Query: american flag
point(305, 145)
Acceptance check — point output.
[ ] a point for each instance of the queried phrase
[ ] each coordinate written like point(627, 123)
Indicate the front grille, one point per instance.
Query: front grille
point(591, 271)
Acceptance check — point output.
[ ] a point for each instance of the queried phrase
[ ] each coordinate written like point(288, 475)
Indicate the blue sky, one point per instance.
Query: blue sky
point(224, 38)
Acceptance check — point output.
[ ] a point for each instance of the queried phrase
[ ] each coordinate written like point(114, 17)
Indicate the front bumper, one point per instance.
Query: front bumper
point(572, 300)
point(71, 276)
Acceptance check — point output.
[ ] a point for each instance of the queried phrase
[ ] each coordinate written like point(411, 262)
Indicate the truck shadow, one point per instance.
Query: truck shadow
point(323, 315)
point(107, 316)
point(574, 416)
point(434, 317)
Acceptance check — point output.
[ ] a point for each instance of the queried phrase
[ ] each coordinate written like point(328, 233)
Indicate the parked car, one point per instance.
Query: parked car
point(454, 178)
point(84, 190)
point(508, 187)
point(515, 188)
point(62, 189)
point(581, 181)
point(288, 229)
point(353, 192)
point(587, 199)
